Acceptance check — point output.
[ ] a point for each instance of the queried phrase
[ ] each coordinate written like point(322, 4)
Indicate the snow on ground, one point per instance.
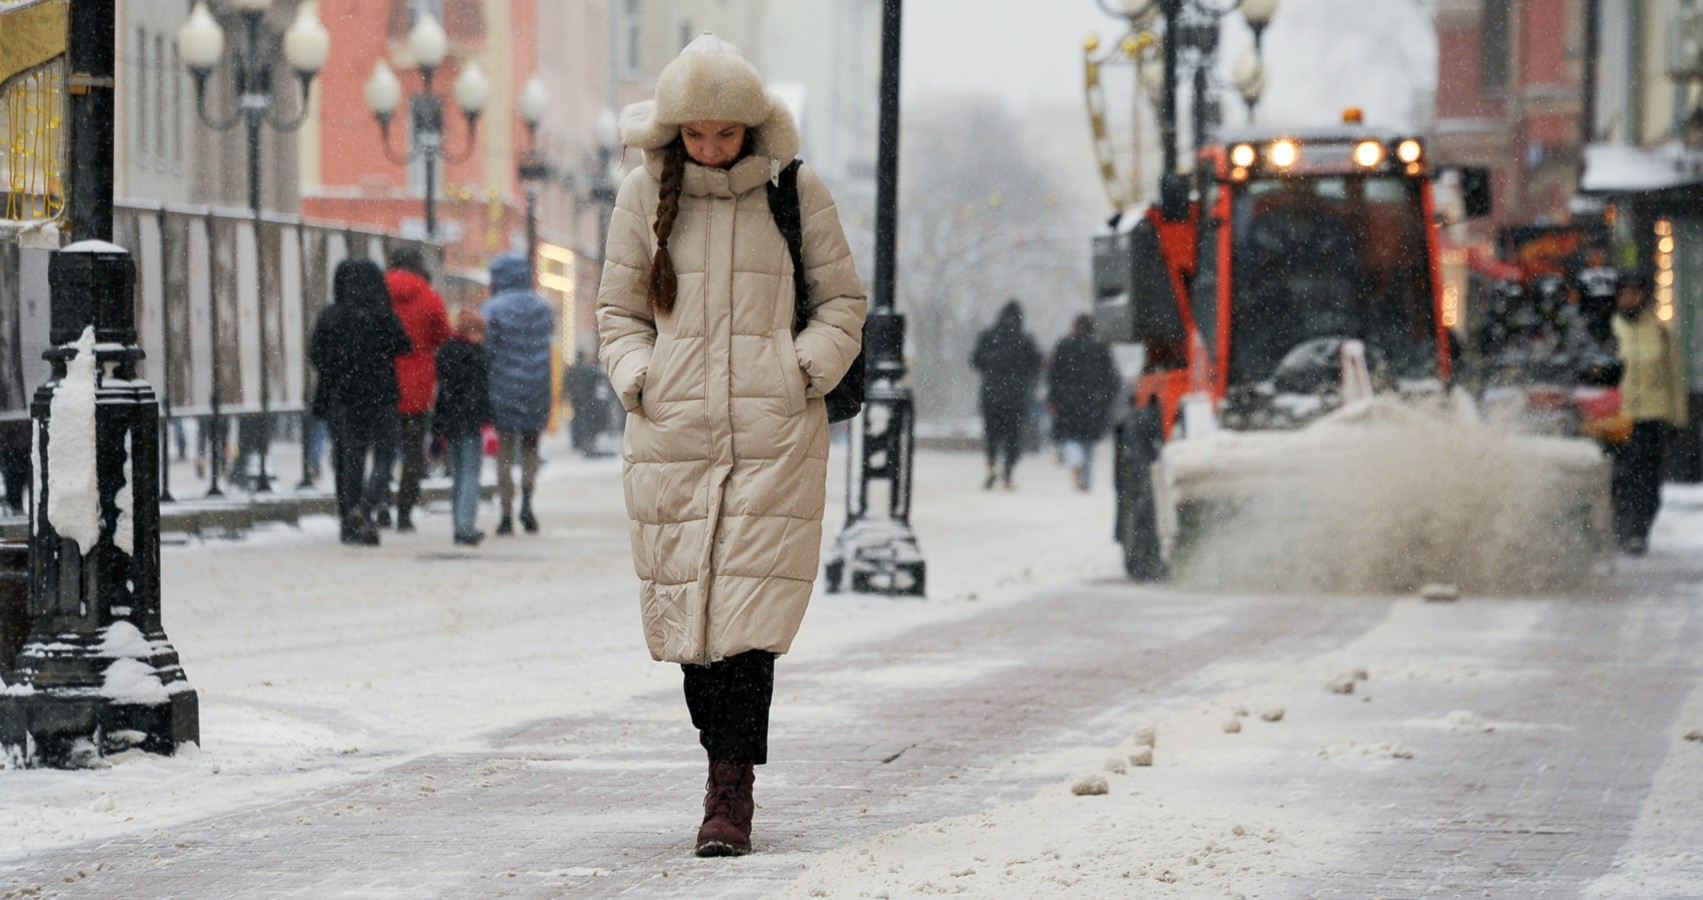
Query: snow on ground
point(317, 663)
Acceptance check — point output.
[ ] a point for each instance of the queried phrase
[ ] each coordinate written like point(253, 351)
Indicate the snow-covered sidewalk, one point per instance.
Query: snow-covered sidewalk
point(416, 721)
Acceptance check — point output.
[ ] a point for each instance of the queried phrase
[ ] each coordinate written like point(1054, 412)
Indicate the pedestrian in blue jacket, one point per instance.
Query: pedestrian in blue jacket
point(518, 330)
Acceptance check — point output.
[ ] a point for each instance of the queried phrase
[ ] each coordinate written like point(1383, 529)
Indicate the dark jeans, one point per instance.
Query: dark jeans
point(354, 434)
point(1002, 435)
point(729, 702)
point(414, 430)
point(1637, 485)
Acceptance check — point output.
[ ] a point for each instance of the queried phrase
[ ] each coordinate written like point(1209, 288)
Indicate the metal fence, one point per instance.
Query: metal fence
point(213, 306)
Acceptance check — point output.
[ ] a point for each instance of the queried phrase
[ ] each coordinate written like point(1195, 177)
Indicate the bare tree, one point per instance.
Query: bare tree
point(980, 223)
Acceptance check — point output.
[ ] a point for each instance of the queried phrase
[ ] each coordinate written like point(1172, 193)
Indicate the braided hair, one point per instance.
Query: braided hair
point(664, 284)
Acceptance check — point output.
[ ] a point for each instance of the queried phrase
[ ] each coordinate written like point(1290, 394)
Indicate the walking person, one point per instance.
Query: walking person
point(1009, 362)
point(1081, 385)
point(1652, 393)
point(422, 313)
point(463, 409)
point(725, 456)
point(519, 328)
point(354, 348)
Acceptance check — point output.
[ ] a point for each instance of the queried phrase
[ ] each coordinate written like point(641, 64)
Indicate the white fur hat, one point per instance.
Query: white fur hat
point(709, 81)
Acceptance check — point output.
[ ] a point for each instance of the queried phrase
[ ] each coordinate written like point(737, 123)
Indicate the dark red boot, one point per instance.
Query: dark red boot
point(727, 809)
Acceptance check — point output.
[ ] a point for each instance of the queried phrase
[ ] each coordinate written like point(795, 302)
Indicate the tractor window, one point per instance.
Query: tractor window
point(1331, 257)
point(1203, 294)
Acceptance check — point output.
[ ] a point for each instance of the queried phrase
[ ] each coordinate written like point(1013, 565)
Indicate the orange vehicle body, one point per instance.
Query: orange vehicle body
point(1177, 368)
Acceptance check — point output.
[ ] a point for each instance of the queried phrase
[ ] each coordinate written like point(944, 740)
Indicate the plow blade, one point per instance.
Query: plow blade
point(1381, 497)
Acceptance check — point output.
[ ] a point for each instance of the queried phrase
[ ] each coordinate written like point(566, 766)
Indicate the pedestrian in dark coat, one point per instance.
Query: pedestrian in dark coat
point(354, 347)
point(519, 329)
point(463, 410)
point(1081, 386)
point(1010, 364)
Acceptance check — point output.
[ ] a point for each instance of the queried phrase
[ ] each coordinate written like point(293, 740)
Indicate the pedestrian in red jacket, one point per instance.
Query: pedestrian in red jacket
point(426, 320)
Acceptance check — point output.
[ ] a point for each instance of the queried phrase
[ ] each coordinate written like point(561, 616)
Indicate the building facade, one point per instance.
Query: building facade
point(1509, 98)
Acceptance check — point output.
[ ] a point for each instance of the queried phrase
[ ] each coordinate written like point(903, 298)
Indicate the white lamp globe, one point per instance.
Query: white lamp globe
point(306, 42)
point(472, 89)
point(200, 40)
point(428, 42)
point(534, 101)
point(1259, 12)
point(383, 92)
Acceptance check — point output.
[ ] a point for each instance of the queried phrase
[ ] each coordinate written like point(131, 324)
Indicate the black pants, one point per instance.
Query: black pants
point(1637, 485)
point(1002, 435)
point(354, 434)
point(729, 702)
point(415, 429)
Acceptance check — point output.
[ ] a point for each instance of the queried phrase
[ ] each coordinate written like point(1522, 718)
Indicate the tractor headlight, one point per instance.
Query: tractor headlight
point(1242, 156)
point(1368, 154)
point(1283, 154)
point(1409, 151)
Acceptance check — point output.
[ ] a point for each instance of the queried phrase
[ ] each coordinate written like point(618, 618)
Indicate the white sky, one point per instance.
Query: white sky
point(1322, 55)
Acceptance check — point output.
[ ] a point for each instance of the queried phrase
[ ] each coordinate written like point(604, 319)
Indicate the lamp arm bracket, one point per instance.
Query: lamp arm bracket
point(401, 159)
point(207, 117)
point(472, 143)
point(290, 123)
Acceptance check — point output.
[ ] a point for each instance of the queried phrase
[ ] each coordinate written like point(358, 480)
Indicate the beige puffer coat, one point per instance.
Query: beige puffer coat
point(726, 449)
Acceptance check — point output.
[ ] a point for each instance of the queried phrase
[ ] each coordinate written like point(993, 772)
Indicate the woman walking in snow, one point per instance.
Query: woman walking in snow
point(354, 347)
point(726, 444)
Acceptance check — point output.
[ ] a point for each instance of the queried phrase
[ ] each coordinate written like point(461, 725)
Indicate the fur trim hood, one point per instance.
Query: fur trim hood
point(711, 80)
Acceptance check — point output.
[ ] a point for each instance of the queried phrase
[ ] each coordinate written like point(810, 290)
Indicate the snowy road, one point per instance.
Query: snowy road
point(418, 722)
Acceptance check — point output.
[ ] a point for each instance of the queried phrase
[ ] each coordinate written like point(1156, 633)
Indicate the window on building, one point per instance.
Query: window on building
point(1496, 45)
point(176, 110)
point(632, 35)
point(138, 120)
point(157, 100)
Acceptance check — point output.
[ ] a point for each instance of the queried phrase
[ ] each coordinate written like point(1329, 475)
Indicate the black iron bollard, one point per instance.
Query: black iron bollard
point(96, 674)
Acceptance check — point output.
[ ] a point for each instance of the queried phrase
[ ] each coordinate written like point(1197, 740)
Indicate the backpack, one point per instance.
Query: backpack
point(845, 401)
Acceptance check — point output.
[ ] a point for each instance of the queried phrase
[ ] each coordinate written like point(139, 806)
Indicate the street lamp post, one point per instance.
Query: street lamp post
point(201, 44)
point(1190, 43)
point(879, 553)
point(429, 45)
point(534, 101)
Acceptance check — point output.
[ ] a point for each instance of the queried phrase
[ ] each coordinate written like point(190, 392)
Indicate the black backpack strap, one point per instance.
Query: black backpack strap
point(789, 218)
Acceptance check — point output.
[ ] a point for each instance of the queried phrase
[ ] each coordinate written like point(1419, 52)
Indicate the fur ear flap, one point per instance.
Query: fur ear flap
point(639, 127)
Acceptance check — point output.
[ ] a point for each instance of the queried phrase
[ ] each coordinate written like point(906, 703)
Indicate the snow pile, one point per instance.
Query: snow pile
point(1382, 497)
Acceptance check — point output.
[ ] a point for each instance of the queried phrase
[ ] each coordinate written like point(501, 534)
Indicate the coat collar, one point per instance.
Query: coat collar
point(701, 181)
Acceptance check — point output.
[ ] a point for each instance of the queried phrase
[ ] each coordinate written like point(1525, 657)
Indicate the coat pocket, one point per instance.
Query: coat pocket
point(792, 376)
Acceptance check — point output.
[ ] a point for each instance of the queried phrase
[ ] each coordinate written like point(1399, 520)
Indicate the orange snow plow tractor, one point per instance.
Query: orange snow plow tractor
point(1288, 297)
